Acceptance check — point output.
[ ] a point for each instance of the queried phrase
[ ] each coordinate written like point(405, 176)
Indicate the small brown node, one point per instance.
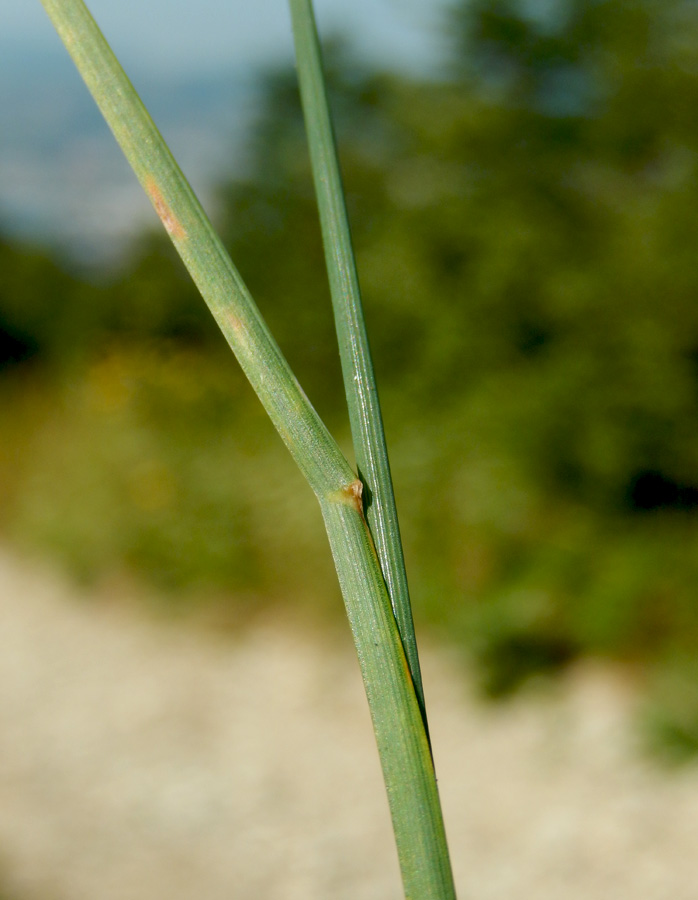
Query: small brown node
point(171, 223)
point(352, 495)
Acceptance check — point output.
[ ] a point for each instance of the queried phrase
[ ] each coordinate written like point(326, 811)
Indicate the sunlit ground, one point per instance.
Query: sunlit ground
point(143, 760)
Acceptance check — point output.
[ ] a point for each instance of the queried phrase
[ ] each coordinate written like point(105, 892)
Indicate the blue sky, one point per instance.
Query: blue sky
point(181, 35)
point(62, 178)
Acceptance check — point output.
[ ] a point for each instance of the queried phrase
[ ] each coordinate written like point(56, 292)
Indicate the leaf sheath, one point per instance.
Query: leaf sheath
point(357, 367)
point(401, 737)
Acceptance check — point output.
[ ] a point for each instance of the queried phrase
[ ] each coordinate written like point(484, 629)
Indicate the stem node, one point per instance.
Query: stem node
point(350, 495)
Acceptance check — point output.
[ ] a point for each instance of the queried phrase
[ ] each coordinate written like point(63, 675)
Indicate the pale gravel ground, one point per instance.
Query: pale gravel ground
point(143, 762)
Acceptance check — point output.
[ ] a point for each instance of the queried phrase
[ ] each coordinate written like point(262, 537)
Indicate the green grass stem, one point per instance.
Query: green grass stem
point(201, 250)
point(395, 711)
point(357, 366)
point(403, 747)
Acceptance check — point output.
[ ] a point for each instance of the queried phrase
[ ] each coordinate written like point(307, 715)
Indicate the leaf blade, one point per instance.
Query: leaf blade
point(357, 366)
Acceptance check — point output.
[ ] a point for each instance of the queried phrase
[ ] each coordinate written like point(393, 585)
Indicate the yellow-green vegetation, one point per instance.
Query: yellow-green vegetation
point(365, 576)
point(526, 241)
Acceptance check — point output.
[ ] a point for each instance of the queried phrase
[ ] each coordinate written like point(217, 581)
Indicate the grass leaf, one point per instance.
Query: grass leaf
point(357, 367)
point(397, 718)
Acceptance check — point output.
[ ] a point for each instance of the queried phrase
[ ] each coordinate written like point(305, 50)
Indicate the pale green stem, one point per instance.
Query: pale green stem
point(401, 737)
point(207, 260)
point(359, 380)
point(397, 720)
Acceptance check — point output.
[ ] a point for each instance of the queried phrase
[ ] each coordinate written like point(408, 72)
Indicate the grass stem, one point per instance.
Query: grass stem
point(396, 714)
point(357, 366)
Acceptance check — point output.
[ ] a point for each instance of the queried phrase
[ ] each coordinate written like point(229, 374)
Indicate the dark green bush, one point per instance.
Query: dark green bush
point(526, 242)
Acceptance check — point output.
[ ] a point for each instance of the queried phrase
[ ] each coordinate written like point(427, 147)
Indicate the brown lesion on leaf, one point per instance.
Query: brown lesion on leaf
point(236, 326)
point(167, 217)
point(350, 495)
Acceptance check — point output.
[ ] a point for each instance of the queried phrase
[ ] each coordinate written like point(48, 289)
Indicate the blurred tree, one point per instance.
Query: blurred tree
point(37, 306)
point(526, 238)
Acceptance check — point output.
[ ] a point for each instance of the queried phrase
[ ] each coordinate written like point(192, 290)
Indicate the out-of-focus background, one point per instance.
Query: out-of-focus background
point(522, 180)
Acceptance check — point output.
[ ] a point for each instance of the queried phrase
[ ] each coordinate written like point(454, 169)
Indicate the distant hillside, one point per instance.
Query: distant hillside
point(63, 179)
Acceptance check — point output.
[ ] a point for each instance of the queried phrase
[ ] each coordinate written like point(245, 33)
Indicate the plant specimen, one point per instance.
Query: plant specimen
point(363, 536)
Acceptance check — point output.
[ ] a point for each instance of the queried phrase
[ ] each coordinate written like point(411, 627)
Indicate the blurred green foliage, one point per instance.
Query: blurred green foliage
point(526, 237)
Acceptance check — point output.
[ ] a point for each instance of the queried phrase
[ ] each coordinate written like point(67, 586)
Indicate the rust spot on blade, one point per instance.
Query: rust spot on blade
point(235, 325)
point(351, 494)
point(171, 223)
point(236, 333)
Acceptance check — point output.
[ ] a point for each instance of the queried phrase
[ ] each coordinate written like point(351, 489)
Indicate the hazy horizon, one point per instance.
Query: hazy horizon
point(63, 181)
